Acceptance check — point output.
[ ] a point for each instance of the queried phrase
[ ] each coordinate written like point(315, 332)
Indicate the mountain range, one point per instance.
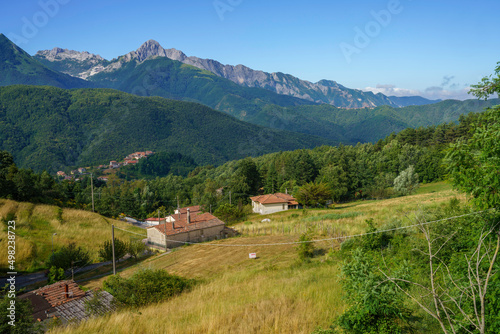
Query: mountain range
point(74, 133)
point(85, 66)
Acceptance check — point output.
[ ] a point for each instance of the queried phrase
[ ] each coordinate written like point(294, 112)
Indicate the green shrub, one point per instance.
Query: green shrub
point(306, 247)
point(146, 287)
point(68, 256)
point(106, 250)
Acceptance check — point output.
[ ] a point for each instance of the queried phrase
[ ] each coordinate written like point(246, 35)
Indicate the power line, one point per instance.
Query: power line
point(334, 238)
point(144, 236)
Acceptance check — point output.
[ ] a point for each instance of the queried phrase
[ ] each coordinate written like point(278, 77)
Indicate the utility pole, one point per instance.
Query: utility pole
point(92, 186)
point(178, 206)
point(53, 242)
point(166, 244)
point(113, 247)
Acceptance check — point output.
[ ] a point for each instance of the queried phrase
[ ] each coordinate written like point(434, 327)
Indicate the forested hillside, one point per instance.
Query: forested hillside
point(348, 172)
point(51, 128)
point(351, 126)
point(19, 68)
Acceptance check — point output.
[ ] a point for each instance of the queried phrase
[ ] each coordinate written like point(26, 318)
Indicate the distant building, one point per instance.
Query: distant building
point(114, 164)
point(155, 221)
point(61, 173)
point(271, 203)
point(81, 170)
point(64, 300)
point(186, 225)
point(129, 162)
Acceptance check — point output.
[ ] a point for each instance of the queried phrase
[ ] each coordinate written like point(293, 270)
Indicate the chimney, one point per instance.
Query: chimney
point(188, 216)
point(173, 224)
point(66, 291)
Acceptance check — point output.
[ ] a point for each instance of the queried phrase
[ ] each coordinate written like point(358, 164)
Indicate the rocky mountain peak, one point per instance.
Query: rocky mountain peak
point(58, 54)
point(152, 48)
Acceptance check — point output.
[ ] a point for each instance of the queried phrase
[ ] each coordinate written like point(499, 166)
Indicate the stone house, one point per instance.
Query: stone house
point(186, 226)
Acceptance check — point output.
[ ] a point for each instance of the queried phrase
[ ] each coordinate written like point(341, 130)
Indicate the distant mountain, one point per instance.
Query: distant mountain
point(71, 62)
point(18, 67)
point(405, 101)
point(85, 65)
point(365, 125)
point(51, 128)
point(161, 76)
point(324, 91)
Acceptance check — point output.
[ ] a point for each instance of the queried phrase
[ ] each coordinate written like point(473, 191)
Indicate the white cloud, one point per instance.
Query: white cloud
point(432, 93)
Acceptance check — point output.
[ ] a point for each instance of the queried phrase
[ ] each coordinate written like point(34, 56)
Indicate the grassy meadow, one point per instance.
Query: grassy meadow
point(274, 293)
point(36, 224)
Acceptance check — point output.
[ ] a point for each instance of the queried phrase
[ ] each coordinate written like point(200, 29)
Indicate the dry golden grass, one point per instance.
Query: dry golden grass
point(272, 294)
point(295, 222)
point(237, 295)
point(35, 225)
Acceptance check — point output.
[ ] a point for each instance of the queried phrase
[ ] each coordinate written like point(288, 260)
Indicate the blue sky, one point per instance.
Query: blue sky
point(401, 47)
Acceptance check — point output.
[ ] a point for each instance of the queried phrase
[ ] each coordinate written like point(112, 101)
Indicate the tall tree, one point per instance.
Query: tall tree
point(474, 164)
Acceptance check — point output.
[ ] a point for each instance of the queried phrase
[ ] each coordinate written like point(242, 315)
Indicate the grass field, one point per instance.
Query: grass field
point(274, 293)
point(36, 224)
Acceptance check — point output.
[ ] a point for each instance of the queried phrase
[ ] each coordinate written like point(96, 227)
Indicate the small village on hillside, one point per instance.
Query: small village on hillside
point(130, 159)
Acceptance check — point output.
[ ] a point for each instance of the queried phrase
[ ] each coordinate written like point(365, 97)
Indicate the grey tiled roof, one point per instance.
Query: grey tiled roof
point(75, 310)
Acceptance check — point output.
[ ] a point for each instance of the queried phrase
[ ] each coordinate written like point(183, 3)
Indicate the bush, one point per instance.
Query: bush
point(56, 275)
point(106, 250)
point(23, 321)
point(377, 306)
point(68, 256)
point(136, 248)
point(306, 247)
point(146, 287)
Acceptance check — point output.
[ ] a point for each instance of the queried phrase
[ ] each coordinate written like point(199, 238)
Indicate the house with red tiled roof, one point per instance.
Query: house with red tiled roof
point(114, 164)
point(271, 203)
point(186, 225)
point(65, 300)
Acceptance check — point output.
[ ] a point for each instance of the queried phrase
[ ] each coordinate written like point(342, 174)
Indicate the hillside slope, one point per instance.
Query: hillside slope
point(274, 293)
point(351, 126)
point(51, 128)
point(36, 223)
point(18, 67)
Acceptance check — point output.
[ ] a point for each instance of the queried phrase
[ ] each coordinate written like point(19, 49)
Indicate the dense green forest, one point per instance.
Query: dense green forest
point(349, 172)
point(364, 125)
point(51, 128)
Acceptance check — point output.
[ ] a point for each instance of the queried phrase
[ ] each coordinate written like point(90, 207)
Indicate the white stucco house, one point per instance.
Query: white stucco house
point(271, 203)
